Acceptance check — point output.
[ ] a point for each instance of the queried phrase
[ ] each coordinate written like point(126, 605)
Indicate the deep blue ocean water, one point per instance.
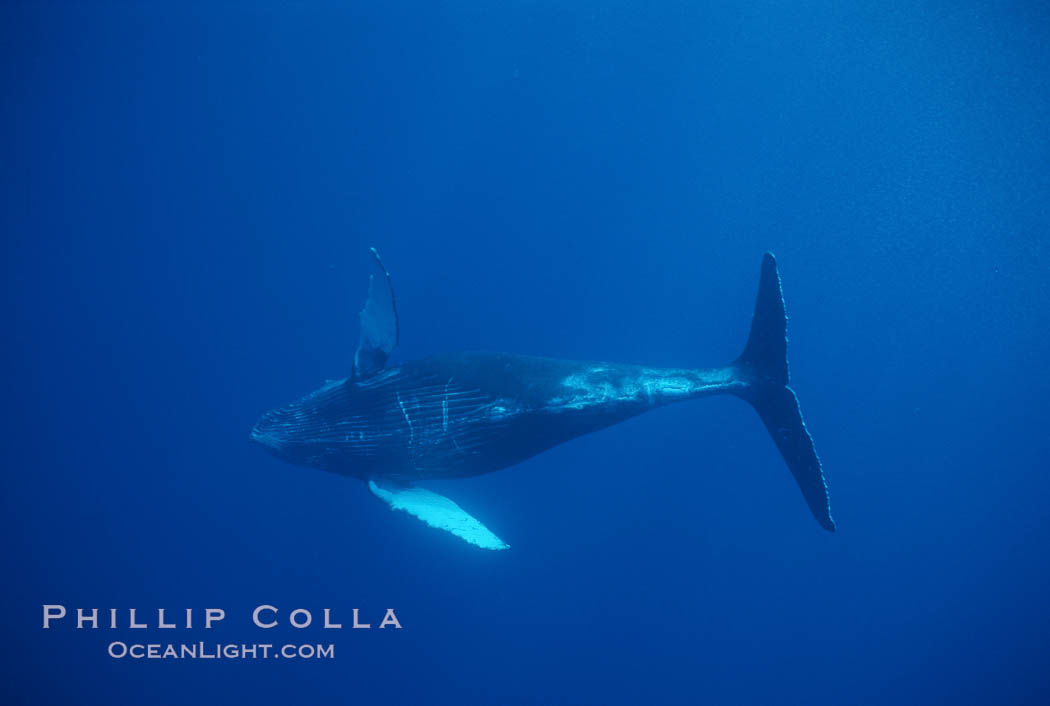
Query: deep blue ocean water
point(189, 192)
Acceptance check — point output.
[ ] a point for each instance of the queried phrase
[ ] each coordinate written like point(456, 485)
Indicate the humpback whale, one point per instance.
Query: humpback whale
point(455, 416)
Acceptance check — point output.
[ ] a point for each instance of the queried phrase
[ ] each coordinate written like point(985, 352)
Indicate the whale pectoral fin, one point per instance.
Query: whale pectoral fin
point(379, 326)
point(438, 511)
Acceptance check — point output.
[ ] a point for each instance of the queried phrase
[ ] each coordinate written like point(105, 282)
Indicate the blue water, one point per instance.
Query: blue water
point(188, 196)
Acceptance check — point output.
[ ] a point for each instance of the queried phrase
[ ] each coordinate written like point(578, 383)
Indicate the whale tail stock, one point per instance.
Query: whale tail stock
point(763, 365)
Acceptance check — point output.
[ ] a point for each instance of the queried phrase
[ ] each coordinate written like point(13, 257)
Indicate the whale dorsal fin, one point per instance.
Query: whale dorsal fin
point(437, 511)
point(379, 327)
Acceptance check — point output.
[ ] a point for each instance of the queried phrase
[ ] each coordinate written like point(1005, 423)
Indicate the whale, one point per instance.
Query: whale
point(466, 414)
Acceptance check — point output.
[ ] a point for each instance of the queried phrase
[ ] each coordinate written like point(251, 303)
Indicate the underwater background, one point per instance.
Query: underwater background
point(189, 192)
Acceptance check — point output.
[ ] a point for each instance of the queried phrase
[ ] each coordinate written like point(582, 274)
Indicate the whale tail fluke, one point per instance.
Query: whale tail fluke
point(763, 365)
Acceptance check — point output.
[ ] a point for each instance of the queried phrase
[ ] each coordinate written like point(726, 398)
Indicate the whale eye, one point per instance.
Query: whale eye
point(498, 411)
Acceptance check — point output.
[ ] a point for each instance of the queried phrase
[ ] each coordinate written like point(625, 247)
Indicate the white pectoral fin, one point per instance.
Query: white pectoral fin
point(438, 511)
